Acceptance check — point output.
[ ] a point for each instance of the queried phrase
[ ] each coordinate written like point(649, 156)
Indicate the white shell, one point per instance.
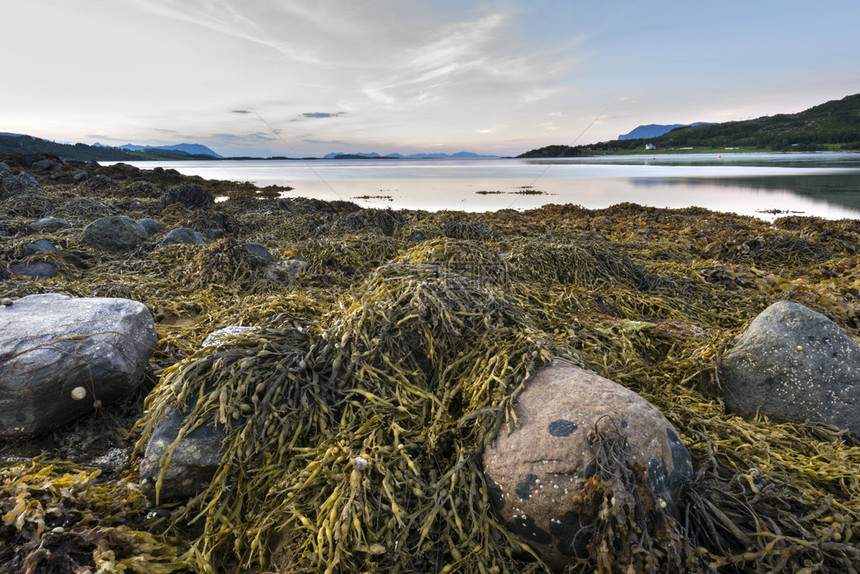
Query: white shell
point(79, 393)
point(359, 463)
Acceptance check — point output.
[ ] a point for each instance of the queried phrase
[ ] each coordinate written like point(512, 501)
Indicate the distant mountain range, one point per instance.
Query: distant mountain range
point(655, 130)
point(183, 148)
point(374, 155)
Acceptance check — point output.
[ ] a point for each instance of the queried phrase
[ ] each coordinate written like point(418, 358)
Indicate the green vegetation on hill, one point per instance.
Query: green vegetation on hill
point(32, 145)
point(832, 125)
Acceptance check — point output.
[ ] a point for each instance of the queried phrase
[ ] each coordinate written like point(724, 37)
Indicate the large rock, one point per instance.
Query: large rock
point(192, 464)
point(60, 357)
point(182, 235)
point(49, 224)
point(14, 184)
point(114, 233)
point(794, 364)
point(151, 226)
point(534, 471)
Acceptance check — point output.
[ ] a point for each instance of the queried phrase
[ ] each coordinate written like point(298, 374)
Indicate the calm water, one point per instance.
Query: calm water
point(820, 184)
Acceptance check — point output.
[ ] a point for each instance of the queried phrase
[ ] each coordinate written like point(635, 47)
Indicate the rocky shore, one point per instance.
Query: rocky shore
point(205, 376)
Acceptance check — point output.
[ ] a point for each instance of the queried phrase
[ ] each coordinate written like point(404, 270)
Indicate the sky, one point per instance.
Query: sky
point(304, 78)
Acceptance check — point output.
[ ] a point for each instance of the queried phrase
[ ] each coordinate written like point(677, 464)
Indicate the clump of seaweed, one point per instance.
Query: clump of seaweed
point(57, 520)
point(585, 264)
point(355, 443)
point(468, 230)
point(347, 253)
point(384, 221)
point(227, 263)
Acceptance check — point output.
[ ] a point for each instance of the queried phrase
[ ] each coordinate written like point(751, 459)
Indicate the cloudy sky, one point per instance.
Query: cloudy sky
point(301, 77)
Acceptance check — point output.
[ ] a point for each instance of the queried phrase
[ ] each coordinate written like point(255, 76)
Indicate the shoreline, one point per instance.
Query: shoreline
point(709, 274)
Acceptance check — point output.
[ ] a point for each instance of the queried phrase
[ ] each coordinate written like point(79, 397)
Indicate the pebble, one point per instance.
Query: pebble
point(6, 301)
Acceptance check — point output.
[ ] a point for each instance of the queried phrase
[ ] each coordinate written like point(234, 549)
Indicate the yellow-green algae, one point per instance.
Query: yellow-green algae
point(412, 364)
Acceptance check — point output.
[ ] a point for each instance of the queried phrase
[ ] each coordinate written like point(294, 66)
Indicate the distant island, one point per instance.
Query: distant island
point(27, 144)
point(832, 126)
point(374, 155)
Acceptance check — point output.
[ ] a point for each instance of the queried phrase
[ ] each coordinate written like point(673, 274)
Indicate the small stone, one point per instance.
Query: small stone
point(79, 393)
point(6, 301)
point(360, 463)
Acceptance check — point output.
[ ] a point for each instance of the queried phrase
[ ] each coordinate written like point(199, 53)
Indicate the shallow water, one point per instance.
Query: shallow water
point(821, 184)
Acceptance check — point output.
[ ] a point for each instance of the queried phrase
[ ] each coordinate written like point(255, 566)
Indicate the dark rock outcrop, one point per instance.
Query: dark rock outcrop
point(189, 468)
point(188, 194)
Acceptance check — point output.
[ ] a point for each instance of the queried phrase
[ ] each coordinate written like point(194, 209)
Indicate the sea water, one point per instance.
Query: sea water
point(762, 185)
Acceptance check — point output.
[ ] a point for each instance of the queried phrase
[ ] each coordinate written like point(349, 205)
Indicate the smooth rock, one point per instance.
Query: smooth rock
point(4, 167)
point(114, 233)
point(151, 226)
point(61, 357)
point(192, 465)
point(794, 364)
point(533, 471)
point(38, 246)
point(260, 251)
point(42, 165)
point(182, 235)
point(49, 224)
point(38, 269)
point(80, 175)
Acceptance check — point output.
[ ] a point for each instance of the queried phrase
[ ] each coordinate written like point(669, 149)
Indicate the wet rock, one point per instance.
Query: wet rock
point(15, 184)
point(62, 357)
point(4, 167)
point(114, 233)
point(44, 165)
point(38, 269)
point(187, 194)
point(80, 175)
point(533, 472)
point(794, 364)
point(192, 464)
point(42, 245)
point(260, 251)
point(49, 224)
point(182, 235)
point(151, 226)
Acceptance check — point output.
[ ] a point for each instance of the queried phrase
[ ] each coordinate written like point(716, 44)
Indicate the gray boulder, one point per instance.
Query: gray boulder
point(4, 167)
point(38, 269)
point(150, 225)
point(534, 471)
point(40, 245)
point(49, 224)
point(45, 165)
point(114, 233)
point(62, 357)
point(259, 250)
point(192, 464)
point(14, 184)
point(182, 235)
point(794, 364)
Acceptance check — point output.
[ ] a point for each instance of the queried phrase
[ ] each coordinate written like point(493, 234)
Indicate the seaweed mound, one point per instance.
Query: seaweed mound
point(355, 443)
